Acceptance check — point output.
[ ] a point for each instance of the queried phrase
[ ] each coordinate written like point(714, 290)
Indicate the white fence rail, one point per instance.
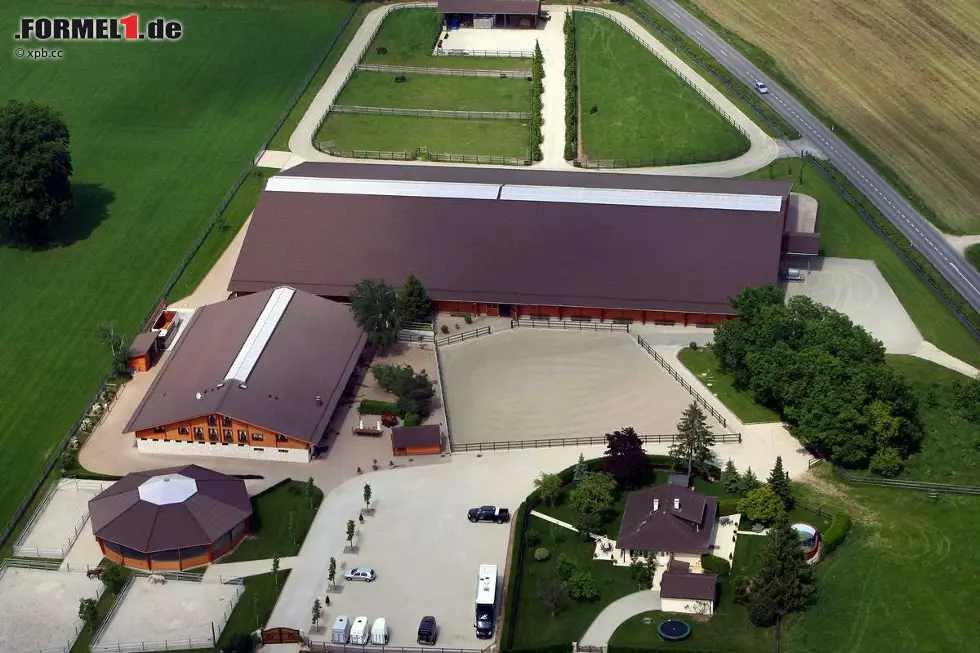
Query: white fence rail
point(443, 72)
point(65, 485)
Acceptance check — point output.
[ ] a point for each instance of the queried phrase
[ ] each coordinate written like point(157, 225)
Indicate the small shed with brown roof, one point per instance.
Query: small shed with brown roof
point(494, 13)
point(142, 352)
point(171, 519)
point(416, 440)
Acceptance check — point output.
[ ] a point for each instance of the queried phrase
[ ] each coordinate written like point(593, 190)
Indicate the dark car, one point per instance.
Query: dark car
point(427, 631)
point(488, 513)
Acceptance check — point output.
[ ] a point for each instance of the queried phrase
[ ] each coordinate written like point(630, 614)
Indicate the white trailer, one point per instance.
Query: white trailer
point(379, 632)
point(486, 601)
point(359, 631)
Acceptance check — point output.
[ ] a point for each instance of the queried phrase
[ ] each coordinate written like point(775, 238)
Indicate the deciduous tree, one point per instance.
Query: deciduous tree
point(694, 439)
point(625, 458)
point(310, 491)
point(275, 569)
point(113, 576)
point(332, 571)
point(582, 586)
point(317, 612)
point(553, 594)
point(350, 532)
point(88, 612)
point(373, 305)
point(595, 495)
point(548, 487)
point(367, 496)
point(35, 172)
point(761, 505)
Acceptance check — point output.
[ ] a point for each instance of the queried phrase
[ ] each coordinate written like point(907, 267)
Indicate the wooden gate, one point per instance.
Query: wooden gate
point(280, 636)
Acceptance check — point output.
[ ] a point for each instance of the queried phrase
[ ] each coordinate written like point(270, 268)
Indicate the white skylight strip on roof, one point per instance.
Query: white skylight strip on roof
point(395, 188)
point(259, 337)
point(632, 197)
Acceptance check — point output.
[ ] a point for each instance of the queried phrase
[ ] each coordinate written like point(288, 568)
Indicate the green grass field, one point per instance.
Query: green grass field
point(271, 535)
point(972, 254)
point(903, 581)
point(370, 89)
point(704, 365)
point(159, 133)
point(844, 234)
point(644, 109)
point(409, 36)
point(951, 446)
point(405, 133)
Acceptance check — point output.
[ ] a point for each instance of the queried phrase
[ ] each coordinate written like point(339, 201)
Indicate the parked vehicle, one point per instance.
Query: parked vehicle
point(486, 601)
point(379, 632)
point(761, 87)
point(341, 630)
point(359, 631)
point(361, 573)
point(489, 513)
point(427, 631)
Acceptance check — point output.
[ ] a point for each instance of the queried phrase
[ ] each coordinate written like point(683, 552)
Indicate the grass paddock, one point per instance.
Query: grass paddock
point(371, 89)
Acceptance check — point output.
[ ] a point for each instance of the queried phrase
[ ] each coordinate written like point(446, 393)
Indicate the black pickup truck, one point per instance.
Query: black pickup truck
point(489, 513)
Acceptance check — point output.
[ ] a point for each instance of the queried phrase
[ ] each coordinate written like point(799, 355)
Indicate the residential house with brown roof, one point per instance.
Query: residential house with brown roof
point(253, 377)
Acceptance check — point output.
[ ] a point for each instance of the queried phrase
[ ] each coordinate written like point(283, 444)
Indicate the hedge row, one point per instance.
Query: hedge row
point(537, 88)
point(836, 532)
point(571, 90)
point(375, 407)
point(510, 597)
point(553, 648)
point(654, 647)
point(727, 507)
point(716, 565)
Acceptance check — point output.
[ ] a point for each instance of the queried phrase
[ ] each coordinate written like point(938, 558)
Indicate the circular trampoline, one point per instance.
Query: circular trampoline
point(674, 630)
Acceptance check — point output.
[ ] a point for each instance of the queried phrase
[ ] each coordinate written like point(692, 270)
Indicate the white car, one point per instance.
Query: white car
point(761, 87)
point(361, 573)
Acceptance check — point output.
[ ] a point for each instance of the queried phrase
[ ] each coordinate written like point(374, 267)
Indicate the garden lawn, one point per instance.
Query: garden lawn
point(972, 254)
point(409, 36)
point(254, 606)
point(369, 89)
point(704, 364)
point(159, 133)
point(844, 234)
point(950, 450)
point(271, 512)
point(645, 110)
point(903, 581)
point(535, 626)
point(443, 135)
point(105, 604)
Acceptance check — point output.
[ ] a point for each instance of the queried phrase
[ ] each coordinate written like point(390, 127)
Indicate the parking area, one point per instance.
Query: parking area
point(856, 288)
point(39, 608)
point(501, 40)
point(59, 519)
point(169, 615)
point(425, 552)
point(534, 384)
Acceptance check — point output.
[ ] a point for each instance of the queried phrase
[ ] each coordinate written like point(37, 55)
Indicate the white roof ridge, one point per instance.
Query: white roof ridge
point(260, 335)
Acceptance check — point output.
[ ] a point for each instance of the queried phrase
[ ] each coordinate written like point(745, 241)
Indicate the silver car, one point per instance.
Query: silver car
point(361, 573)
point(761, 87)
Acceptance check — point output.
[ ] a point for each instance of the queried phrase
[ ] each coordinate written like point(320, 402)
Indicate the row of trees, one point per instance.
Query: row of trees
point(760, 502)
point(35, 172)
point(381, 311)
point(826, 376)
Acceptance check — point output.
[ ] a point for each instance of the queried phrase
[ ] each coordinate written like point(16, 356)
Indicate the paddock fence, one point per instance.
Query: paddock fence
point(684, 384)
point(410, 335)
point(450, 445)
point(21, 510)
point(503, 54)
point(463, 337)
point(22, 551)
point(328, 647)
point(545, 443)
point(906, 485)
point(444, 72)
point(420, 154)
point(569, 325)
point(646, 162)
point(430, 113)
point(387, 11)
point(893, 242)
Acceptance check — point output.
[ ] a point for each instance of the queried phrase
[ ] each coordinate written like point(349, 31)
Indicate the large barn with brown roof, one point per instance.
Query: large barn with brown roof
point(171, 519)
point(524, 243)
point(487, 14)
point(253, 377)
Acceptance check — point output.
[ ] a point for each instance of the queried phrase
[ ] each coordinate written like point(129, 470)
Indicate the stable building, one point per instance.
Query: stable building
point(253, 377)
point(523, 243)
point(489, 14)
point(171, 519)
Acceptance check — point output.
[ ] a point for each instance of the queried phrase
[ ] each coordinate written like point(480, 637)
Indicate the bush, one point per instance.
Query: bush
point(412, 419)
point(541, 554)
point(716, 565)
point(564, 567)
point(886, 462)
point(444, 328)
point(693, 346)
point(467, 319)
point(741, 591)
point(840, 525)
point(507, 629)
point(531, 538)
point(582, 587)
point(762, 613)
point(727, 507)
point(375, 407)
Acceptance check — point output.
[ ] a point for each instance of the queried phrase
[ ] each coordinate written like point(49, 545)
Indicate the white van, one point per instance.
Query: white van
point(341, 630)
point(379, 632)
point(359, 631)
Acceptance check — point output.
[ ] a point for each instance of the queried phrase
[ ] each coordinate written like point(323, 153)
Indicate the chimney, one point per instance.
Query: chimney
point(677, 504)
point(319, 401)
point(656, 504)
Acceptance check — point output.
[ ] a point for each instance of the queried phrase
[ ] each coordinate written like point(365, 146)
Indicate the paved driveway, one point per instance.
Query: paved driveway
point(616, 613)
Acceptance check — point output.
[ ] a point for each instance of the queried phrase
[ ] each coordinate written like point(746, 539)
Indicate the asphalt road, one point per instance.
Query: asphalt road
point(913, 225)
